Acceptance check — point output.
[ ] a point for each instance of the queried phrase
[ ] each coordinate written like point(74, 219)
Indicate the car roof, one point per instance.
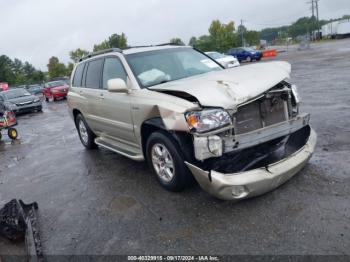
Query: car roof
point(131, 50)
point(134, 50)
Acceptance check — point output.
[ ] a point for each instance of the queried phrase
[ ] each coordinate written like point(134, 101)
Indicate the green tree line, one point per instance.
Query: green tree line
point(303, 26)
point(220, 37)
point(16, 72)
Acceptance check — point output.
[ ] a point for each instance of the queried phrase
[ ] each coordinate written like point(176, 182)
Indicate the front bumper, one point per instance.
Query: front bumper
point(27, 108)
point(59, 95)
point(235, 186)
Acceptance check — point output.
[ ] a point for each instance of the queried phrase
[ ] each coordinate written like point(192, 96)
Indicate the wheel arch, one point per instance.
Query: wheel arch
point(183, 140)
point(75, 113)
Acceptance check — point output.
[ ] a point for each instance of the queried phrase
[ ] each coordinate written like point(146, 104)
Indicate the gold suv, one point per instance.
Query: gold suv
point(238, 132)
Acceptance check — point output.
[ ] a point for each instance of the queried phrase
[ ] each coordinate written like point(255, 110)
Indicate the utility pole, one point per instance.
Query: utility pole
point(314, 5)
point(318, 21)
point(242, 39)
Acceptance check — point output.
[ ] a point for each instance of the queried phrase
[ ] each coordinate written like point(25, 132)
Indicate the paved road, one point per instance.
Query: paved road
point(97, 202)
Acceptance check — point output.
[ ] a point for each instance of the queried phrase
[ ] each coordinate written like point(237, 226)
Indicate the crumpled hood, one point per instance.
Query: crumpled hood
point(231, 87)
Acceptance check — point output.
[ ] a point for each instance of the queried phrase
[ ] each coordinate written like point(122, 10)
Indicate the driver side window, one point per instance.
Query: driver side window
point(112, 68)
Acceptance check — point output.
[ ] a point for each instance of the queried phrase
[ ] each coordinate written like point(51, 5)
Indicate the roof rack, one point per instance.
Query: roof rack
point(109, 50)
point(140, 46)
point(169, 44)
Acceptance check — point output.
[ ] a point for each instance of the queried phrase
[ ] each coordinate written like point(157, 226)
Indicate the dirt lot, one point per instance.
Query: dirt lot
point(97, 202)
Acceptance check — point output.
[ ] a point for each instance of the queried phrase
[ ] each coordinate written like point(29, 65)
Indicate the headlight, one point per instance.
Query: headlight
point(36, 100)
point(296, 94)
point(208, 119)
point(10, 106)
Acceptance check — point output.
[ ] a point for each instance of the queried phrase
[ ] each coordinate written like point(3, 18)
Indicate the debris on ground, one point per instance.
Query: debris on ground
point(18, 222)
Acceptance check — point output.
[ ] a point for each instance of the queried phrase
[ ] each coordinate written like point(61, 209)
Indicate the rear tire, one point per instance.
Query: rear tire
point(87, 137)
point(165, 158)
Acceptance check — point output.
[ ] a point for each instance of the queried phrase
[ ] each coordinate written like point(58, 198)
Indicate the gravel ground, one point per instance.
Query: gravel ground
point(100, 203)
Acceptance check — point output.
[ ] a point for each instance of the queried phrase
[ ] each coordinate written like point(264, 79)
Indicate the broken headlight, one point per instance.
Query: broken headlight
point(208, 119)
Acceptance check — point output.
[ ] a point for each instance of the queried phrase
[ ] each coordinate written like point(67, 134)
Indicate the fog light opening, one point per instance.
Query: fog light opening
point(239, 191)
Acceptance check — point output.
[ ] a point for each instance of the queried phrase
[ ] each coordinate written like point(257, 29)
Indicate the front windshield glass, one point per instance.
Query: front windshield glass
point(14, 93)
point(55, 83)
point(215, 55)
point(249, 49)
point(156, 67)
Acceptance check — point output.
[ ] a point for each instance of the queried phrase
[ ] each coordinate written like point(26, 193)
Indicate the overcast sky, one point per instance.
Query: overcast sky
point(34, 30)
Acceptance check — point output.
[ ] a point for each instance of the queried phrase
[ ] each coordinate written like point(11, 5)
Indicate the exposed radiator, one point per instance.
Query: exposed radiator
point(265, 111)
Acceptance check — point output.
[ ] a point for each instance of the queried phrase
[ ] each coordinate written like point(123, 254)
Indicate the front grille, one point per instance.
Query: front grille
point(24, 103)
point(266, 111)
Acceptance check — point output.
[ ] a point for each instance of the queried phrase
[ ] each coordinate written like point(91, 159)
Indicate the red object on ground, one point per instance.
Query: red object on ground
point(4, 86)
point(269, 53)
point(8, 119)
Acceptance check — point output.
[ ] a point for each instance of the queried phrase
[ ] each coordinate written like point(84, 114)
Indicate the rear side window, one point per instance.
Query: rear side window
point(93, 74)
point(113, 68)
point(78, 75)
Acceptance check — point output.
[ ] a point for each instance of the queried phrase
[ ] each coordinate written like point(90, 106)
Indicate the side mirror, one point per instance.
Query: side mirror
point(117, 85)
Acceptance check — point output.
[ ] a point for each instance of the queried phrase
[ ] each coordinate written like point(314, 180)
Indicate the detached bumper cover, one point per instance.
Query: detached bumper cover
point(256, 181)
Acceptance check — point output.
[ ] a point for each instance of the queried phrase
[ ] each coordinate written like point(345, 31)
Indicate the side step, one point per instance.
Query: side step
point(120, 148)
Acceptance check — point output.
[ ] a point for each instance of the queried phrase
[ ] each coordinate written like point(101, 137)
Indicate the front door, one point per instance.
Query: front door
point(115, 108)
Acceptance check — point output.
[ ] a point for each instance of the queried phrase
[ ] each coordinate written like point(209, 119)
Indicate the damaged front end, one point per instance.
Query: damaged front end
point(267, 143)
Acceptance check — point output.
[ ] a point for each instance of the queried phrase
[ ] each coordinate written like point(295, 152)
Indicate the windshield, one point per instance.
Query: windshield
point(215, 55)
point(249, 49)
point(14, 93)
point(55, 83)
point(156, 67)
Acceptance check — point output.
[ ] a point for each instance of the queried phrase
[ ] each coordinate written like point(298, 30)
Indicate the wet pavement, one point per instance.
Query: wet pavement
point(98, 202)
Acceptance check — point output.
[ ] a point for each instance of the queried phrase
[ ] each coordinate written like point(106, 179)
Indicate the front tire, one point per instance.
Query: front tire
point(167, 162)
point(87, 137)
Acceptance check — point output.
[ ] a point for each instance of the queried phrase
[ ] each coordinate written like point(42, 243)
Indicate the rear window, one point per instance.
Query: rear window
point(78, 75)
point(93, 74)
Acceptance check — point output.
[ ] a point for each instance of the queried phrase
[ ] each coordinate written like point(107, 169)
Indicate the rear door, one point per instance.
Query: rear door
point(90, 93)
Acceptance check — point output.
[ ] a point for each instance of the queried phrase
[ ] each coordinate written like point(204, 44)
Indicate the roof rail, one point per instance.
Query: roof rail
point(140, 46)
point(104, 51)
point(169, 44)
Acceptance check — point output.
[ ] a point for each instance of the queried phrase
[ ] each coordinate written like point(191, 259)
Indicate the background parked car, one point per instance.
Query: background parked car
point(3, 86)
point(55, 90)
point(35, 90)
point(20, 100)
point(245, 54)
point(225, 60)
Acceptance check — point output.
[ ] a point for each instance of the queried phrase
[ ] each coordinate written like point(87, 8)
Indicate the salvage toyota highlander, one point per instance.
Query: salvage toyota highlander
point(238, 132)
